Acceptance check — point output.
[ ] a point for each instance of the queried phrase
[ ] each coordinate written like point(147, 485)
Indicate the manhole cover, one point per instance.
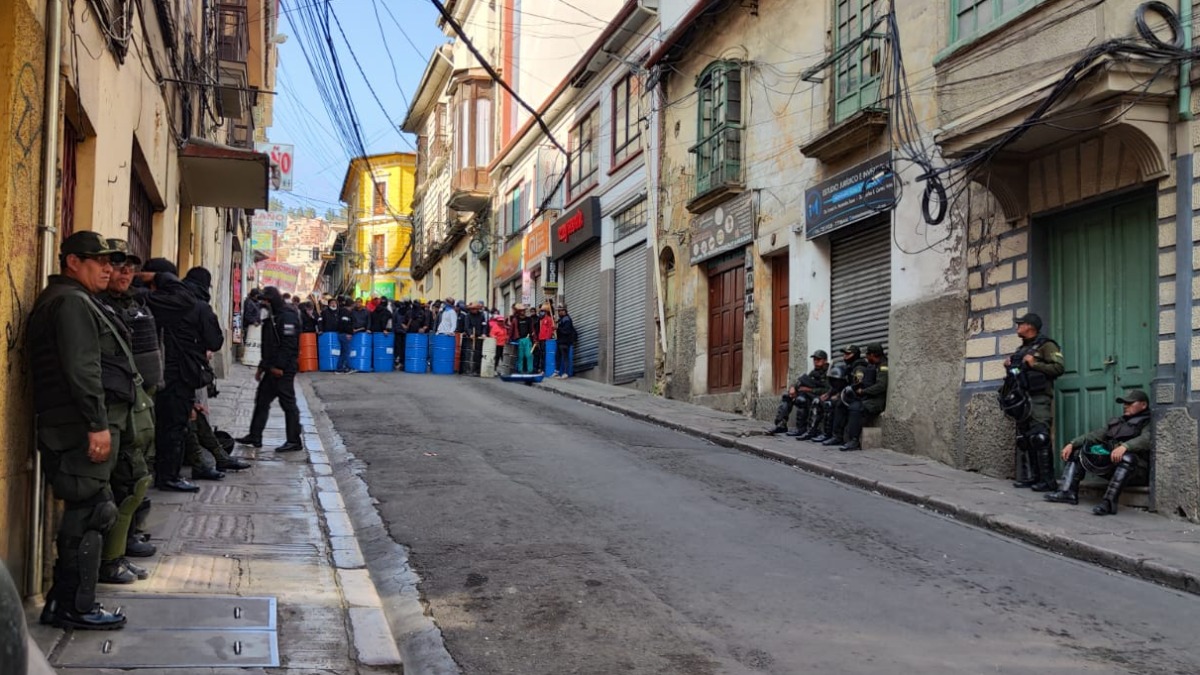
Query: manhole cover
point(180, 631)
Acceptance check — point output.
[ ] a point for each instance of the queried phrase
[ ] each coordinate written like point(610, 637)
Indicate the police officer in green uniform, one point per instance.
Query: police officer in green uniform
point(131, 476)
point(856, 367)
point(803, 396)
point(1120, 451)
point(867, 396)
point(83, 390)
point(1032, 370)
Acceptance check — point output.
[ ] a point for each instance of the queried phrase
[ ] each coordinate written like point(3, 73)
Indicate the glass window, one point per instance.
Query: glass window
point(515, 212)
point(626, 116)
point(718, 146)
point(379, 199)
point(971, 18)
point(858, 72)
point(584, 160)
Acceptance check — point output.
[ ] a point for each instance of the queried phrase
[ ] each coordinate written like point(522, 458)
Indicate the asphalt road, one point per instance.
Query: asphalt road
point(554, 537)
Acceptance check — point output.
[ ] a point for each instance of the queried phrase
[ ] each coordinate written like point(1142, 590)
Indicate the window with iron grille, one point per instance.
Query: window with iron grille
point(141, 219)
point(858, 72)
point(626, 119)
point(718, 148)
point(69, 178)
point(584, 153)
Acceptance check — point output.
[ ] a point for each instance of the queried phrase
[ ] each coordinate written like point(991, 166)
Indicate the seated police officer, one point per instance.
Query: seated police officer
point(867, 396)
point(802, 396)
point(820, 427)
point(833, 411)
point(1120, 450)
point(856, 366)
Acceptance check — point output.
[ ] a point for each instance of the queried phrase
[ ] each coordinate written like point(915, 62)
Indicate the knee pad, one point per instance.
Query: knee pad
point(102, 517)
point(1039, 438)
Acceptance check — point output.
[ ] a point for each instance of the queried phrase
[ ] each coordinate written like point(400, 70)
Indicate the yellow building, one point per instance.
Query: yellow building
point(378, 193)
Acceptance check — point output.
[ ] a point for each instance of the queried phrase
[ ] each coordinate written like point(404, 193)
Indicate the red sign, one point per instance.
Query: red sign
point(537, 242)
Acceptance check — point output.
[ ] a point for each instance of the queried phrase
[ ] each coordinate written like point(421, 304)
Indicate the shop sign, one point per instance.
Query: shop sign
point(280, 275)
point(264, 241)
point(263, 221)
point(509, 262)
point(282, 158)
point(576, 228)
point(728, 227)
point(537, 241)
point(849, 197)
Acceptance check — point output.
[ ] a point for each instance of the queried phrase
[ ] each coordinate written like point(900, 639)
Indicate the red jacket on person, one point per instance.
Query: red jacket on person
point(545, 328)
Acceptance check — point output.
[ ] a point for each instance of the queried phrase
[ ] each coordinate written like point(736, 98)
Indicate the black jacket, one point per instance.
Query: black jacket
point(475, 326)
point(186, 321)
point(360, 320)
point(399, 318)
point(308, 323)
point(281, 340)
point(380, 318)
point(328, 322)
point(345, 322)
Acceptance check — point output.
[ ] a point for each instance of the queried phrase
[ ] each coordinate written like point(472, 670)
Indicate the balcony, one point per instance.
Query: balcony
point(470, 183)
point(718, 163)
point(233, 48)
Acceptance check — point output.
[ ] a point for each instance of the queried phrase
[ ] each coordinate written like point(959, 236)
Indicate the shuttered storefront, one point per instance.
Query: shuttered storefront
point(581, 292)
point(629, 315)
point(861, 285)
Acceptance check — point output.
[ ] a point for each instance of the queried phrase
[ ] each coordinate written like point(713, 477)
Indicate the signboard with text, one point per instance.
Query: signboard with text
point(537, 241)
point(725, 228)
point(576, 228)
point(268, 220)
point(282, 160)
point(280, 275)
point(849, 197)
point(509, 263)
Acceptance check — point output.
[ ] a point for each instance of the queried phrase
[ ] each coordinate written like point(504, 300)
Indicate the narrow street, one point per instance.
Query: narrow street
point(555, 537)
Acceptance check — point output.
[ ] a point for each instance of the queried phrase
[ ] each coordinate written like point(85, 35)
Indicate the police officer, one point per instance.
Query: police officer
point(869, 388)
point(83, 389)
point(802, 396)
point(1120, 450)
point(1032, 371)
point(856, 366)
point(277, 372)
point(131, 475)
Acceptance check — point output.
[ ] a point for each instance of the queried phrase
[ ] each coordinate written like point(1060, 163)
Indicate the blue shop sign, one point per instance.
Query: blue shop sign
point(849, 197)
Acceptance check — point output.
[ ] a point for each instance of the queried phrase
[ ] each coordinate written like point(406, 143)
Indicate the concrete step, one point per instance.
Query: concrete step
point(872, 438)
point(1135, 497)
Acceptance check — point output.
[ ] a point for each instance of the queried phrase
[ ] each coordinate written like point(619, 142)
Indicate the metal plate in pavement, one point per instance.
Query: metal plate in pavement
point(192, 612)
point(169, 649)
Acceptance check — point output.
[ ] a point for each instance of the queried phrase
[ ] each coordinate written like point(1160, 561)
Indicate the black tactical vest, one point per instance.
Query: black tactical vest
point(1120, 429)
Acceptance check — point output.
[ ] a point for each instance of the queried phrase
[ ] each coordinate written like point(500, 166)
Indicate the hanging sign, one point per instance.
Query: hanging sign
point(725, 228)
point(282, 160)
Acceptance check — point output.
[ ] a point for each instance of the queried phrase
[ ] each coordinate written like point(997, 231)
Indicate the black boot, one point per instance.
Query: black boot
point(832, 441)
point(1045, 470)
point(1108, 505)
point(137, 548)
point(807, 435)
point(1068, 492)
point(1024, 463)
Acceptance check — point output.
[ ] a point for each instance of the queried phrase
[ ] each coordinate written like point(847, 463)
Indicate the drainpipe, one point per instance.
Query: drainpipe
point(1185, 67)
point(48, 244)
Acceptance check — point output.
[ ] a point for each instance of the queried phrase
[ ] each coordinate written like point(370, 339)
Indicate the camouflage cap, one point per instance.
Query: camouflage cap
point(123, 246)
point(820, 354)
point(851, 349)
point(89, 244)
point(875, 348)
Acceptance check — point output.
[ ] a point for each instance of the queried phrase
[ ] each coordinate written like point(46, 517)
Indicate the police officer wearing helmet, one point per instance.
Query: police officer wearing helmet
point(83, 390)
point(802, 396)
point(277, 372)
point(1031, 371)
point(1120, 451)
point(856, 366)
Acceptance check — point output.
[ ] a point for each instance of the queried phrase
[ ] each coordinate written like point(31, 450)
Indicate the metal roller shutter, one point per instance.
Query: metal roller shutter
point(861, 286)
point(629, 319)
point(581, 291)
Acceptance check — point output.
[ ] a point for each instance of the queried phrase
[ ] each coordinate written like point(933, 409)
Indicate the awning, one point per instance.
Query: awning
point(220, 175)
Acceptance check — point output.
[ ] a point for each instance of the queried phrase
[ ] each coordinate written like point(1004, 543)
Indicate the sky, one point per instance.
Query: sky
point(301, 119)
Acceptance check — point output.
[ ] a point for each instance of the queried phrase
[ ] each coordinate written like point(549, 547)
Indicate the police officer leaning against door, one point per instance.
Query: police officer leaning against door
point(1029, 383)
point(83, 389)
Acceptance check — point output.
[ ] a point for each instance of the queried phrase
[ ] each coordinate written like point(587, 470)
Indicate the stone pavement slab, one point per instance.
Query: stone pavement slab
point(1135, 542)
point(262, 532)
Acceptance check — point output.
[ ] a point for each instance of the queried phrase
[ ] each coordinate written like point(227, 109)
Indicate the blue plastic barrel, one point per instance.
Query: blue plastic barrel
point(551, 355)
point(328, 351)
point(416, 352)
point(360, 352)
point(384, 346)
point(443, 354)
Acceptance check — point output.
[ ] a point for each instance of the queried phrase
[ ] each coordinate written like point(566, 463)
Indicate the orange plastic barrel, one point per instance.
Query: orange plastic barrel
point(457, 350)
point(308, 352)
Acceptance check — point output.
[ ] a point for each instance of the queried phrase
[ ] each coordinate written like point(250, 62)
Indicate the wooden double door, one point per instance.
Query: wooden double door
point(726, 324)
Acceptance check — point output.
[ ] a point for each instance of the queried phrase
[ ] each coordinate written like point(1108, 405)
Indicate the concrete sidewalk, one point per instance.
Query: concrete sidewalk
point(277, 530)
point(1135, 542)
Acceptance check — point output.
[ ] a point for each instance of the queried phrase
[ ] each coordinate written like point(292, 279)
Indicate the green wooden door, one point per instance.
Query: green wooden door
point(1102, 309)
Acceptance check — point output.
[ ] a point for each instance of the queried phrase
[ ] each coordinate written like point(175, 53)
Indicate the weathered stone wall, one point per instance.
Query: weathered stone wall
point(1176, 479)
point(925, 368)
point(987, 435)
point(22, 81)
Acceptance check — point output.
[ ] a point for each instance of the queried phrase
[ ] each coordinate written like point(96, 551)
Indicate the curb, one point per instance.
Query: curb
point(402, 620)
point(1148, 570)
point(373, 641)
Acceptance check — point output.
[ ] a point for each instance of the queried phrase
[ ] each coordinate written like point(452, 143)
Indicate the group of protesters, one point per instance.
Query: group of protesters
point(528, 330)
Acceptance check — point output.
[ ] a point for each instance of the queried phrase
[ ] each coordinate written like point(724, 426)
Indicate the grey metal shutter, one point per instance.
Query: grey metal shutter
point(581, 291)
point(861, 286)
point(629, 318)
